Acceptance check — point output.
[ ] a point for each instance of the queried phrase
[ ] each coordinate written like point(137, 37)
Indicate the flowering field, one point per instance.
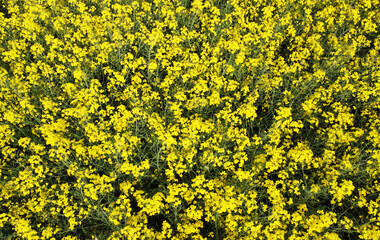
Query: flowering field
point(190, 119)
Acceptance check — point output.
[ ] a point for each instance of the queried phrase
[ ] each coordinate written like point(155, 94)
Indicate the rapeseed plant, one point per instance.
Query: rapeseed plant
point(189, 119)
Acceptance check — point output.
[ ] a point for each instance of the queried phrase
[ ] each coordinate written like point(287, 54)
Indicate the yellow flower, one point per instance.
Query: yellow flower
point(37, 49)
point(346, 188)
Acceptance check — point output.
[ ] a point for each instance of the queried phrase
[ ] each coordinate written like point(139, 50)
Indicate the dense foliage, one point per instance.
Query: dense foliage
point(155, 119)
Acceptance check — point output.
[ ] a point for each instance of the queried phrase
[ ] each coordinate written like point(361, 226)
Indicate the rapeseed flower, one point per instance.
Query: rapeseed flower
point(176, 120)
